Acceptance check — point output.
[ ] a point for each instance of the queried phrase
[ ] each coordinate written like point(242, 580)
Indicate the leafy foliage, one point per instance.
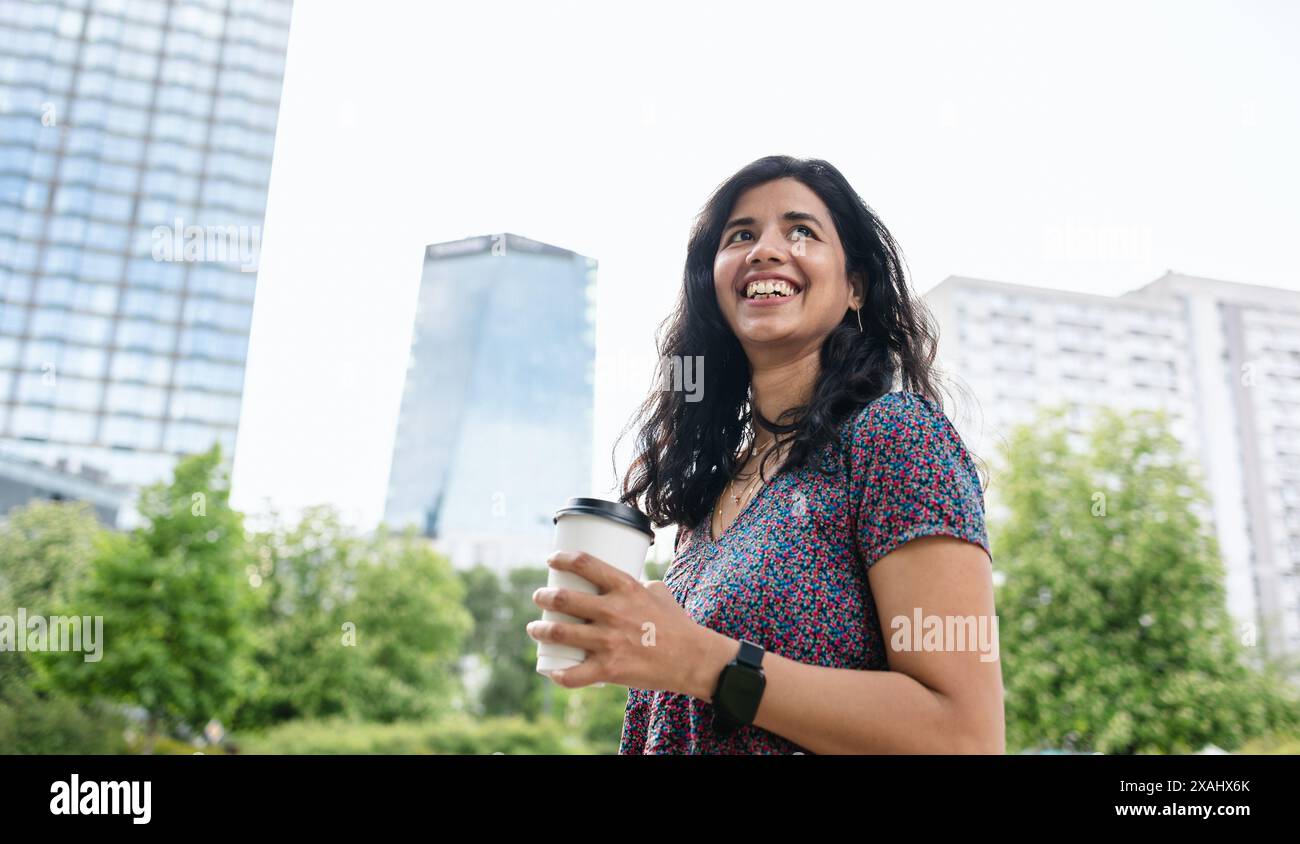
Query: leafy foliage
point(1113, 625)
point(453, 735)
point(174, 602)
point(352, 626)
point(45, 550)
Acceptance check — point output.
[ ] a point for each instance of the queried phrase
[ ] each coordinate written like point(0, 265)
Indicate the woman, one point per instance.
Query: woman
point(812, 502)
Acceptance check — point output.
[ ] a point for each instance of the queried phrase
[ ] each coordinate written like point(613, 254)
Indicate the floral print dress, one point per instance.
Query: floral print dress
point(790, 572)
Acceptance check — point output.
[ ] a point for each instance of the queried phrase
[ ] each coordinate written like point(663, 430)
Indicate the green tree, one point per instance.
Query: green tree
point(305, 579)
point(1113, 626)
point(514, 687)
point(174, 597)
point(485, 603)
point(596, 712)
point(410, 619)
point(45, 550)
point(350, 626)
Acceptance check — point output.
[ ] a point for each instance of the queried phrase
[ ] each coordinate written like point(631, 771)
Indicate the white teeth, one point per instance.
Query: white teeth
point(766, 288)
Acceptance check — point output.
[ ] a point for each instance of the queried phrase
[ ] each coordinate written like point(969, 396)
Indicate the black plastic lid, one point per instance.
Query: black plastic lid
point(629, 516)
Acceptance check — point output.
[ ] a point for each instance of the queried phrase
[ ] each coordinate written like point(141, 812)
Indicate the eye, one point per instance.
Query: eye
point(732, 239)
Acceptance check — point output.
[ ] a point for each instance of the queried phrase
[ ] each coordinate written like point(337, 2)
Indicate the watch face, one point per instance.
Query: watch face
point(741, 690)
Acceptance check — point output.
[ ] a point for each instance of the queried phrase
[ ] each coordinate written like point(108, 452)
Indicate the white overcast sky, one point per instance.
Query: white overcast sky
point(982, 133)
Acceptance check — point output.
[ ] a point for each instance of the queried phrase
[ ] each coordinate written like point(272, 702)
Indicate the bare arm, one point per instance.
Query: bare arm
point(944, 701)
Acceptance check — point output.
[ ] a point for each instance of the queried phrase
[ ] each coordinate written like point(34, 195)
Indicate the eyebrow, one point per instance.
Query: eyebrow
point(789, 215)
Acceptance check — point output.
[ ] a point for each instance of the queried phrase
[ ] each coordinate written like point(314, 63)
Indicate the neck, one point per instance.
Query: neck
point(775, 388)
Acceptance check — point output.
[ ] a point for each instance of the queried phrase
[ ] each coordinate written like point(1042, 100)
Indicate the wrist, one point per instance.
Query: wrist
point(715, 651)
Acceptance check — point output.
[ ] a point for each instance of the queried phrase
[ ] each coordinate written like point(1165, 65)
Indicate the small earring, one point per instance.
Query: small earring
point(858, 311)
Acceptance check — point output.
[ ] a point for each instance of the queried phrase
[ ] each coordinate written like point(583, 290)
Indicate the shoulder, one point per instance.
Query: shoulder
point(909, 432)
point(899, 418)
point(913, 476)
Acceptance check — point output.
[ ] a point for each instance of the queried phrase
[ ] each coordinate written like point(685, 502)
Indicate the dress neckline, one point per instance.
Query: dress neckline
point(752, 503)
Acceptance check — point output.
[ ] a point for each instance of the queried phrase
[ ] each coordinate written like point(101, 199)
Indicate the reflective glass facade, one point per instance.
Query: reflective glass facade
point(495, 431)
point(122, 121)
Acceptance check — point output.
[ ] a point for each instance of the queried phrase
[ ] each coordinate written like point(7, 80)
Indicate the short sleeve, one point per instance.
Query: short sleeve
point(636, 721)
point(912, 477)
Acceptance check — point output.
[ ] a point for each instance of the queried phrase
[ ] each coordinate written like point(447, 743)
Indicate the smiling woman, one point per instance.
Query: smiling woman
point(766, 632)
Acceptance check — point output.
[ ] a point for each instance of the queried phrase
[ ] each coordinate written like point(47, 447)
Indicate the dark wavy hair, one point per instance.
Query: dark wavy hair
point(687, 451)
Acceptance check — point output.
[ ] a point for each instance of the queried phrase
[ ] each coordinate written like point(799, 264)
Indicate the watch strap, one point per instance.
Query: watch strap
point(750, 655)
point(748, 658)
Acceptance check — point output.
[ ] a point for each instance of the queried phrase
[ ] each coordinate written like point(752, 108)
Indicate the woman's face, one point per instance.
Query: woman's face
point(781, 228)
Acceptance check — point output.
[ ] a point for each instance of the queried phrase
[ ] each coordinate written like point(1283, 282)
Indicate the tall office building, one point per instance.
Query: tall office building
point(135, 149)
point(1222, 358)
point(495, 430)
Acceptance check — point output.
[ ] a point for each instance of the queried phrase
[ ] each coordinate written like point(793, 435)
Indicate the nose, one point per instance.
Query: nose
point(766, 250)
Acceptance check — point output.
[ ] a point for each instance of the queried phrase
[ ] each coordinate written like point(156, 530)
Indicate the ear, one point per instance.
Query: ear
point(859, 282)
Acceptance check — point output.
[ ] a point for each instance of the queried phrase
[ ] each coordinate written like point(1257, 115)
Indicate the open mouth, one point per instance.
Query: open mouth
point(770, 289)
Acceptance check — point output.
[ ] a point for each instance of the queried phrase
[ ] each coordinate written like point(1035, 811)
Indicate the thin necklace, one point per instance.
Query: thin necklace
point(744, 492)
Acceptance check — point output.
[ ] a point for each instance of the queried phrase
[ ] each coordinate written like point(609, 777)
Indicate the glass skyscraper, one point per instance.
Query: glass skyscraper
point(135, 149)
point(495, 431)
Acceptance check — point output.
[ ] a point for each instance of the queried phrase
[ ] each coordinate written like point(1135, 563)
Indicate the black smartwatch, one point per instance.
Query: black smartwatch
point(740, 688)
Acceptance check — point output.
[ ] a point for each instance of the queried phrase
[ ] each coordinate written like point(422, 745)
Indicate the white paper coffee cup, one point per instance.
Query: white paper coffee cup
point(616, 533)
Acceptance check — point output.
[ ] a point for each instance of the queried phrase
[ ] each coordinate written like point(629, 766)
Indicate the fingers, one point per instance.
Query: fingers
point(602, 575)
point(583, 636)
point(583, 674)
point(570, 602)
